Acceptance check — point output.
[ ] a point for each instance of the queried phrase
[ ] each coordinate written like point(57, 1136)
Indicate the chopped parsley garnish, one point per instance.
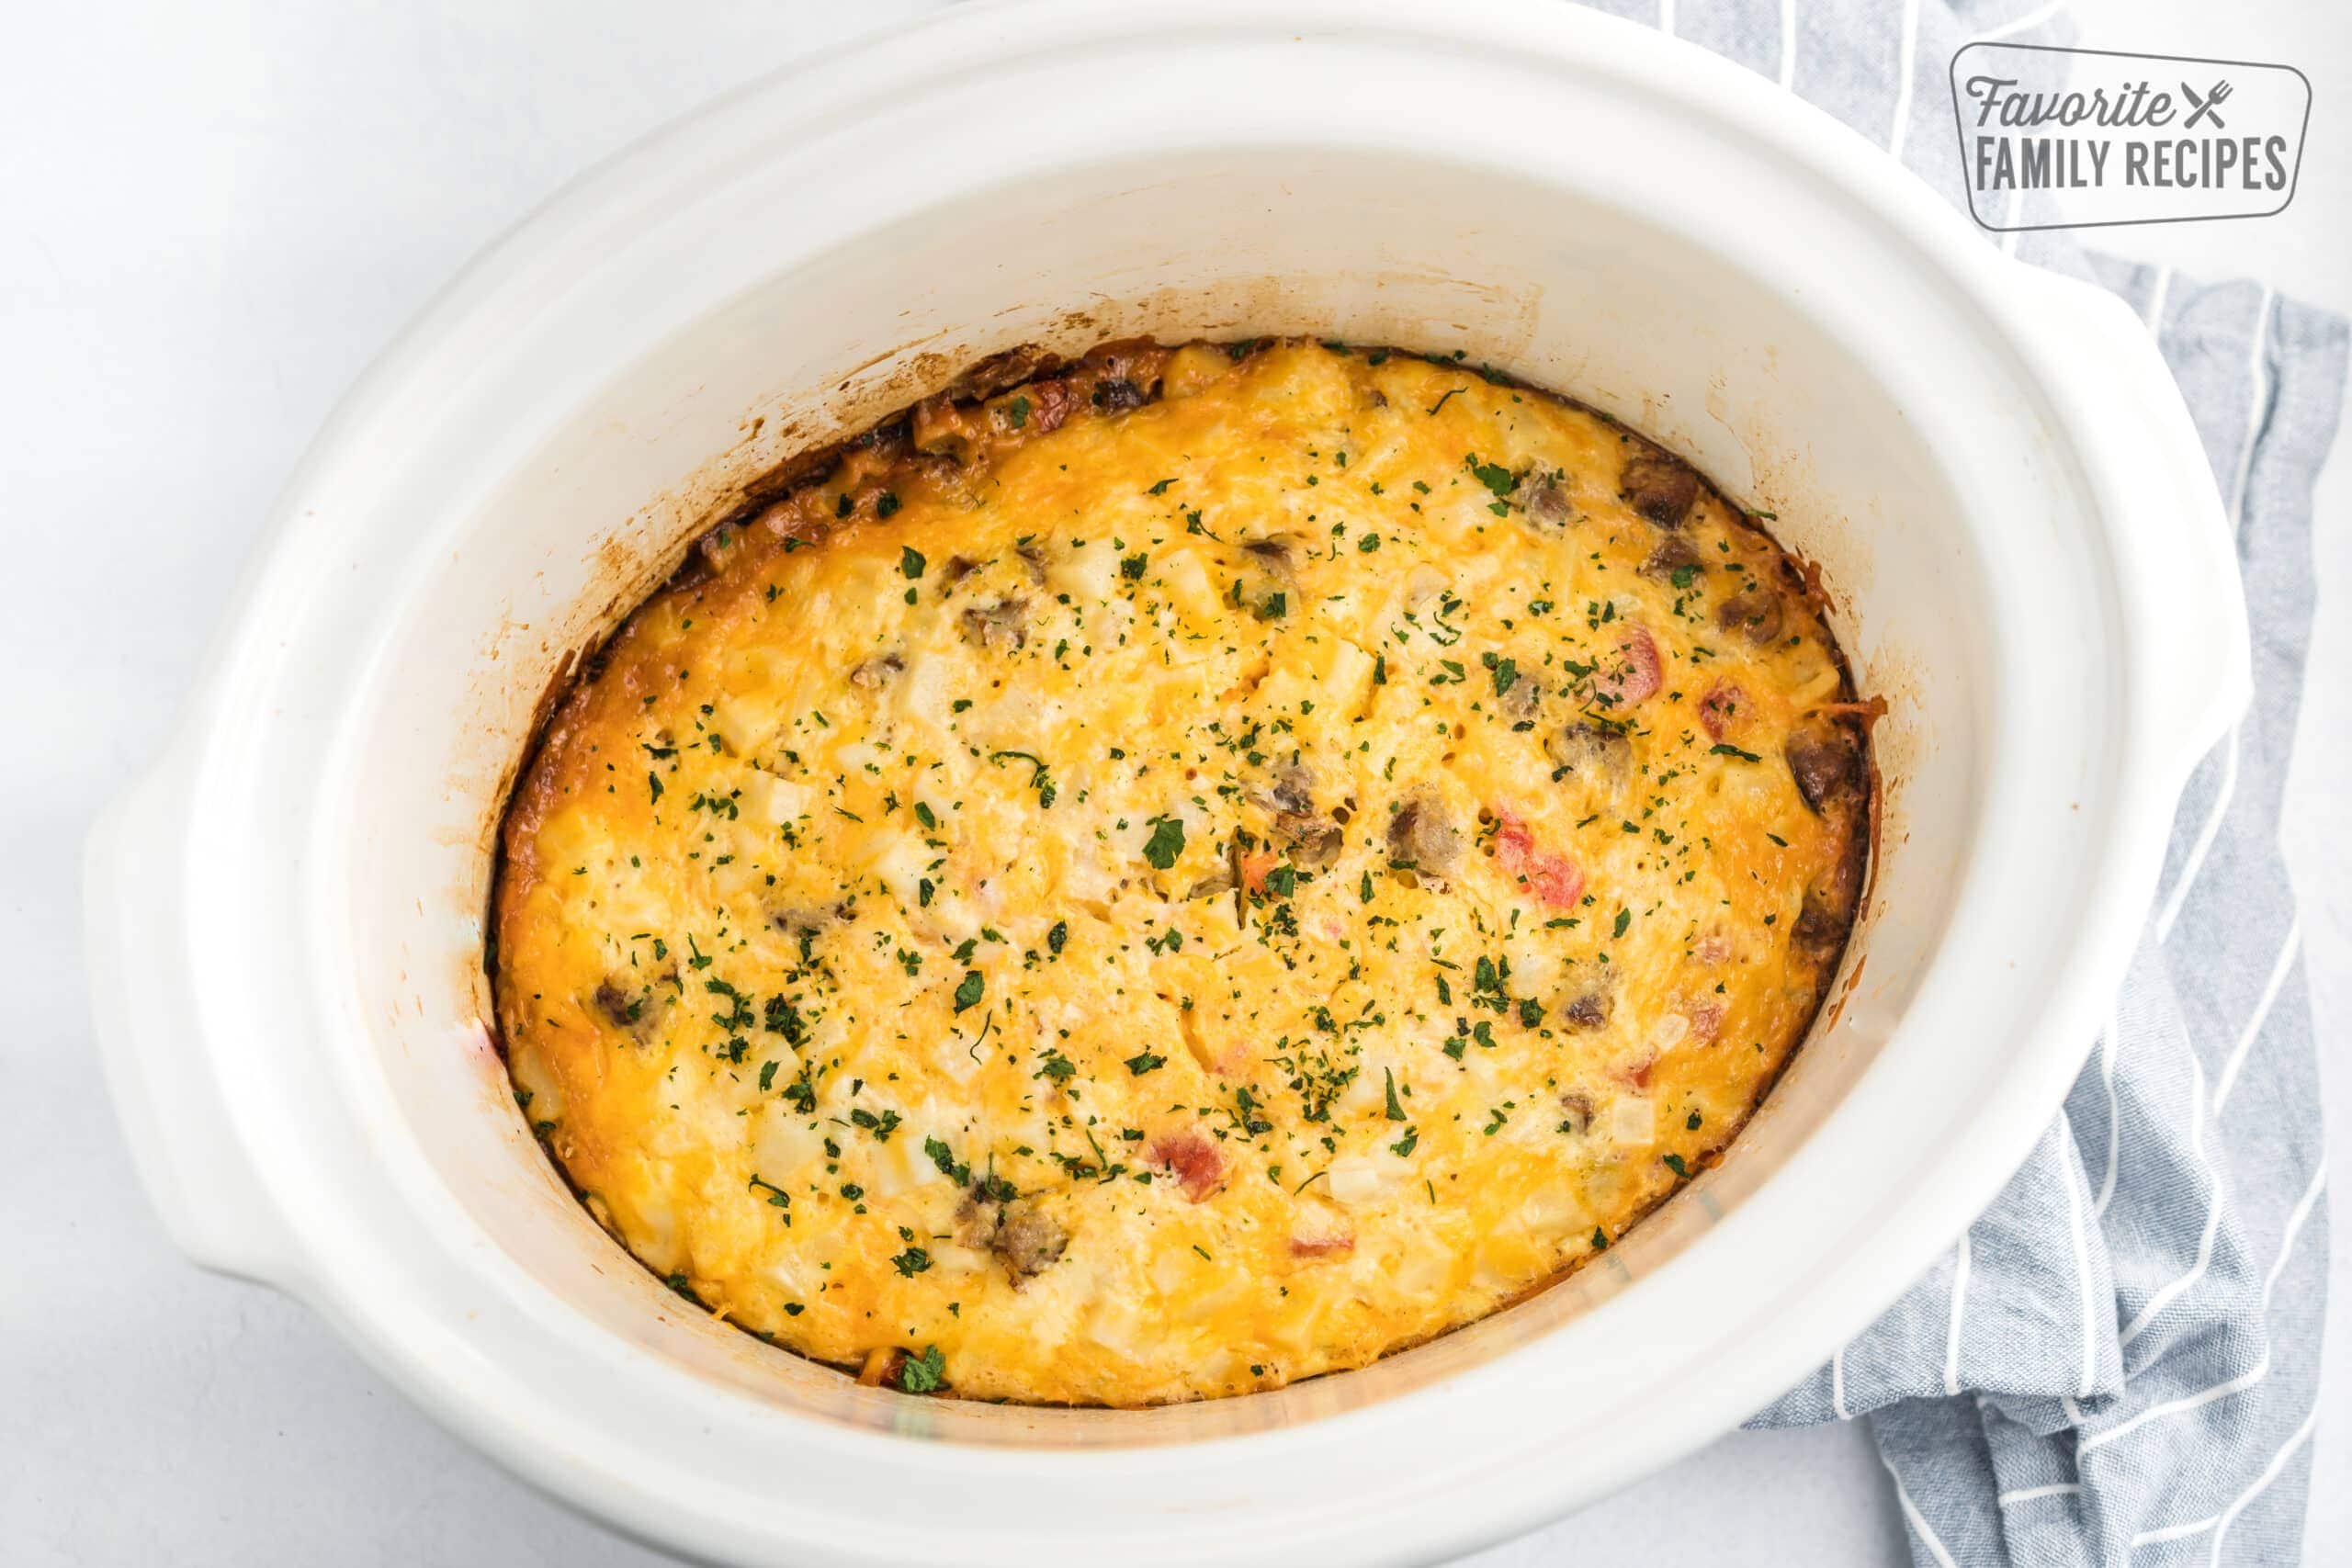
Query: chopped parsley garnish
point(925, 1373)
point(1040, 779)
point(1495, 477)
point(881, 1126)
point(944, 1158)
point(1166, 842)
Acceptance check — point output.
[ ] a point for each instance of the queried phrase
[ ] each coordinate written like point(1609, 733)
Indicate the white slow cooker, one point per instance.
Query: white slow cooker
point(2014, 520)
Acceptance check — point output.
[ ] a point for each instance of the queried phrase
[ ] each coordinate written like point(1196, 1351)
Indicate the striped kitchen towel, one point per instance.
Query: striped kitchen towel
point(2119, 1363)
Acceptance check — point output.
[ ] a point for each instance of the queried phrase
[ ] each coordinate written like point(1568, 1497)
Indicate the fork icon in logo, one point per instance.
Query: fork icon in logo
point(2206, 107)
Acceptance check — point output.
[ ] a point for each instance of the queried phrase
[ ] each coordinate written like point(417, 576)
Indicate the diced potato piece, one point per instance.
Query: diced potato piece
point(1087, 574)
point(1634, 1120)
point(785, 1140)
point(900, 1165)
point(1361, 1179)
point(1193, 368)
point(651, 1225)
point(1114, 1323)
point(899, 859)
point(1347, 676)
point(1551, 1211)
point(533, 1077)
point(1187, 582)
point(949, 1258)
point(1422, 1265)
point(781, 800)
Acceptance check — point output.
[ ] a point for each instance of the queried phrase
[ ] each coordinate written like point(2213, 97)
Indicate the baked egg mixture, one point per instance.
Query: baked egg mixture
point(1164, 875)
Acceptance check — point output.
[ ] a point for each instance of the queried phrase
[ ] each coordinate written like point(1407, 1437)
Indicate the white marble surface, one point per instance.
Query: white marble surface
point(210, 217)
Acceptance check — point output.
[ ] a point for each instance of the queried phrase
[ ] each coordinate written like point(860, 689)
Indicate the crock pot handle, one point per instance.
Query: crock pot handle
point(2176, 551)
point(147, 1014)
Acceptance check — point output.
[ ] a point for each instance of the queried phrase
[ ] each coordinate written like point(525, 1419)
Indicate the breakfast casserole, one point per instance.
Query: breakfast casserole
point(1162, 876)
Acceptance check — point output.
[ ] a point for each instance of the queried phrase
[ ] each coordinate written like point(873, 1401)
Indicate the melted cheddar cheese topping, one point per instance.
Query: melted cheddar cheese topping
point(1179, 874)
